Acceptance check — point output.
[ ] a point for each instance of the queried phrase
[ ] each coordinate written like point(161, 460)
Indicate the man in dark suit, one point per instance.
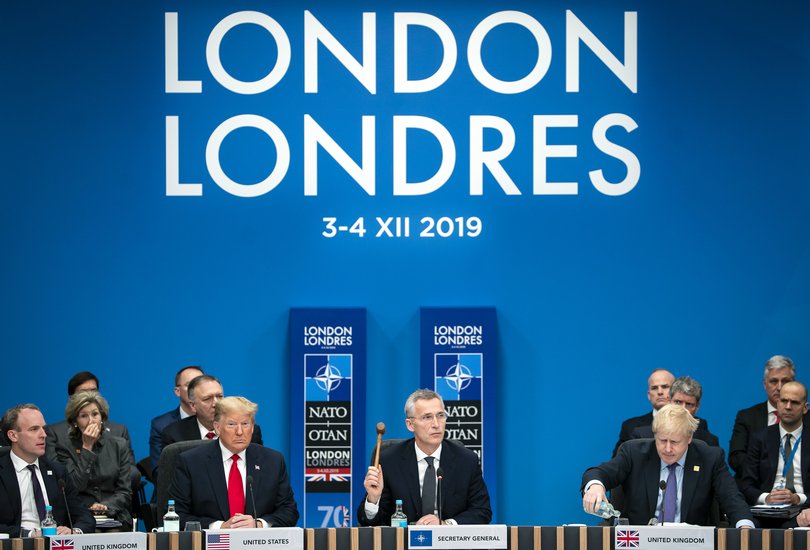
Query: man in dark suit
point(23, 503)
point(181, 381)
point(408, 469)
point(779, 370)
point(767, 479)
point(694, 473)
point(217, 483)
point(204, 392)
point(686, 392)
point(658, 385)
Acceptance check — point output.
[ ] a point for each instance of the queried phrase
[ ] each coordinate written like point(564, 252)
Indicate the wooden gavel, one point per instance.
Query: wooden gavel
point(380, 432)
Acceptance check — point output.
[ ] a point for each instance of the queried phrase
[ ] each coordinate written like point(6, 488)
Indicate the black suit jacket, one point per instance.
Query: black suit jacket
point(200, 490)
point(11, 503)
point(631, 424)
point(637, 468)
point(759, 473)
point(187, 430)
point(58, 433)
point(645, 432)
point(747, 423)
point(464, 499)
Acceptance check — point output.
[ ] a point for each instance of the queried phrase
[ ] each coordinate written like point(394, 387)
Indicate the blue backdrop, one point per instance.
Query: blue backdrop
point(702, 267)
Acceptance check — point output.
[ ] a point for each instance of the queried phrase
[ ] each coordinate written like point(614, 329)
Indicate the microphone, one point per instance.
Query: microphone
point(252, 500)
point(663, 485)
point(439, 476)
point(61, 483)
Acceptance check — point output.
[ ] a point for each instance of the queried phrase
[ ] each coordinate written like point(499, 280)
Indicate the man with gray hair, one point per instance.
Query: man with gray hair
point(408, 472)
point(686, 392)
point(779, 370)
point(685, 474)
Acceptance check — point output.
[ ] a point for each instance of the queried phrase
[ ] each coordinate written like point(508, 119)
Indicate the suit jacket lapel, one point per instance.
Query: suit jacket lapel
point(772, 447)
point(448, 463)
point(411, 471)
point(252, 465)
point(8, 479)
point(691, 474)
point(653, 475)
point(216, 473)
point(51, 486)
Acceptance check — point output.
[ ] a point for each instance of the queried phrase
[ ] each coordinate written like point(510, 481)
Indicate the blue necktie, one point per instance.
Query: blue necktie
point(670, 502)
point(39, 498)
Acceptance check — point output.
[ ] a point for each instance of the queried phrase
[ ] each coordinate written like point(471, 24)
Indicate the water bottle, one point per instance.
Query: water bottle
point(48, 525)
point(606, 511)
point(171, 521)
point(399, 519)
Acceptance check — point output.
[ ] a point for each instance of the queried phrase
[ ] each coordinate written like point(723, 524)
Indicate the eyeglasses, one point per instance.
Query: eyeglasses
point(429, 418)
point(208, 398)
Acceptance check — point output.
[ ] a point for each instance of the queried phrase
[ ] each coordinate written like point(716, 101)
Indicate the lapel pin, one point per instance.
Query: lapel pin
point(50, 472)
point(257, 467)
point(695, 468)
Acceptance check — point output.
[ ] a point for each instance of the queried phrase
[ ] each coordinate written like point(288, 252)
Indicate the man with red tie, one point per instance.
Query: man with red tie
point(217, 483)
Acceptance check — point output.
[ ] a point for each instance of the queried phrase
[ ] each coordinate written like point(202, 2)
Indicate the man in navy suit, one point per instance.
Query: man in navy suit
point(217, 483)
point(22, 467)
point(694, 473)
point(408, 468)
point(184, 410)
point(658, 385)
point(779, 370)
point(766, 479)
point(204, 392)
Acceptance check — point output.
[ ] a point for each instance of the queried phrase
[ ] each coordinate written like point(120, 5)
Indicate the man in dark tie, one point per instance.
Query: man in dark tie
point(217, 483)
point(778, 465)
point(29, 482)
point(181, 382)
point(204, 392)
point(692, 475)
point(408, 469)
point(779, 370)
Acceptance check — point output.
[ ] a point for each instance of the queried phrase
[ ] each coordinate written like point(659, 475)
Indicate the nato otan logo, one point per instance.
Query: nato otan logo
point(328, 377)
point(421, 538)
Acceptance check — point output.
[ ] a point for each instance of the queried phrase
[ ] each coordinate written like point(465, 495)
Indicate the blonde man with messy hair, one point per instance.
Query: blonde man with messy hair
point(237, 404)
point(687, 476)
point(675, 419)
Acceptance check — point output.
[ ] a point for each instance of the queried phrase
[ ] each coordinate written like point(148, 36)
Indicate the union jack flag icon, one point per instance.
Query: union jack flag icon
point(62, 544)
point(627, 538)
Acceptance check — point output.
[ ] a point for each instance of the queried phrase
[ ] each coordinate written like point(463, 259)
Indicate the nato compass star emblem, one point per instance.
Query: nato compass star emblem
point(328, 377)
point(458, 377)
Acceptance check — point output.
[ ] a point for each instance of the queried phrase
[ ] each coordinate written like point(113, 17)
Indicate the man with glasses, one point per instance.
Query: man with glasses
point(687, 393)
point(181, 381)
point(217, 484)
point(779, 370)
point(408, 469)
point(204, 392)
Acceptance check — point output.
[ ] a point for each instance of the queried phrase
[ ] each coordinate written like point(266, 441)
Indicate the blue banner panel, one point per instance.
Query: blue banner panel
point(328, 379)
point(458, 347)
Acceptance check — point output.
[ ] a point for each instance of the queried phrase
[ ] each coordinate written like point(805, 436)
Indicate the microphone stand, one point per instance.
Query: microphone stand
point(252, 500)
point(61, 483)
point(439, 477)
point(663, 485)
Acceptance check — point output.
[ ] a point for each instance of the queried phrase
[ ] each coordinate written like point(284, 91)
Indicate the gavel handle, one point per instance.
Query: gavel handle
point(377, 452)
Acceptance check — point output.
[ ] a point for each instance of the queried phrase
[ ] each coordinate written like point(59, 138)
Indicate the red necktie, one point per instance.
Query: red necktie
point(776, 414)
point(236, 493)
point(210, 435)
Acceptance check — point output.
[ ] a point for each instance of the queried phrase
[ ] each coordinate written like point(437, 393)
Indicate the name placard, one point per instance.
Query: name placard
point(680, 537)
point(100, 541)
point(278, 538)
point(469, 537)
